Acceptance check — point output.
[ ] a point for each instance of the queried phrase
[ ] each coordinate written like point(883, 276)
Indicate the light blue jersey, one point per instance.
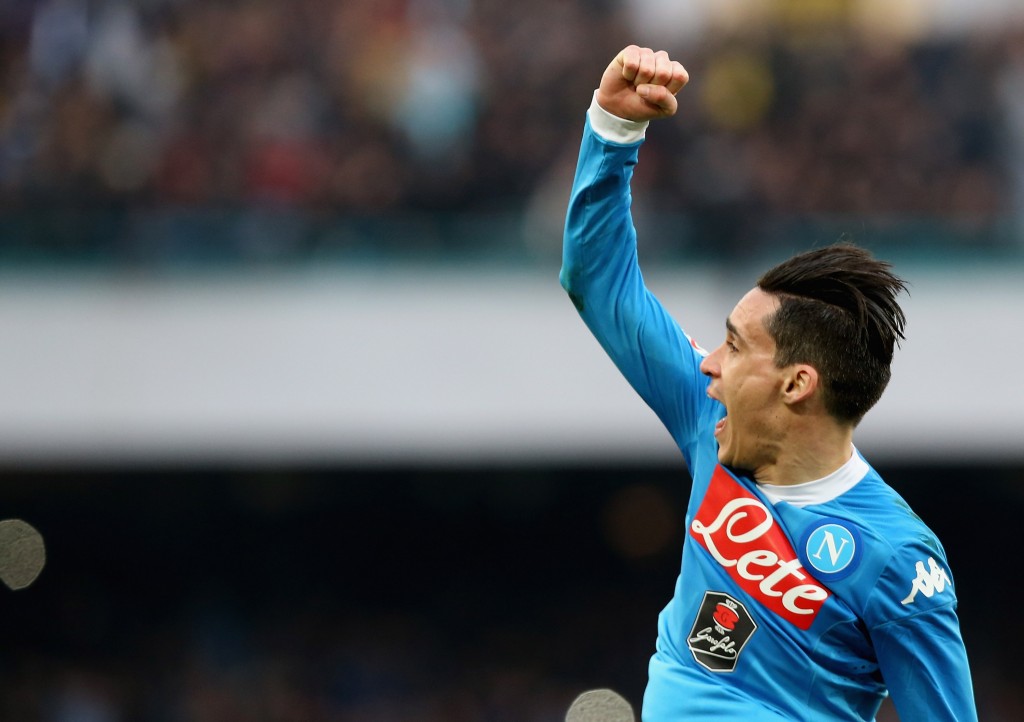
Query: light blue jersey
point(805, 602)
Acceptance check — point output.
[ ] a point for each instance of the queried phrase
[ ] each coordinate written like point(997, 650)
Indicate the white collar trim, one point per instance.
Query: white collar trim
point(821, 490)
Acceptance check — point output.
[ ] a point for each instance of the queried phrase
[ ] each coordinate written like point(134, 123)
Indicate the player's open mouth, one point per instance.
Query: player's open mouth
point(720, 425)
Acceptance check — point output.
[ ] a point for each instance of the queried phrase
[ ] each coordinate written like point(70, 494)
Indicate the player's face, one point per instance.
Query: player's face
point(746, 381)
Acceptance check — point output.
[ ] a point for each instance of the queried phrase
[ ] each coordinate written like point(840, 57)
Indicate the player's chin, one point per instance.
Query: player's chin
point(734, 462)
point(728, 457)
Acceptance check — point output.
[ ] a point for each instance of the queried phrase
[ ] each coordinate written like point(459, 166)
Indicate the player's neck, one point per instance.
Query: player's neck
point(808, 454)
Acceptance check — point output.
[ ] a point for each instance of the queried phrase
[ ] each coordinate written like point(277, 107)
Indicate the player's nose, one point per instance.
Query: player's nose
point(710, 366)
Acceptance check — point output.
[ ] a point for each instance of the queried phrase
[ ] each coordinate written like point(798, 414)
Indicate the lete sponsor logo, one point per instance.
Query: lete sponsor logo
point(740, 534)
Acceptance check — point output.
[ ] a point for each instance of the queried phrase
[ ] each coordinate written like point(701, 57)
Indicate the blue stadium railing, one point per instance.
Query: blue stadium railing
point(238, 238)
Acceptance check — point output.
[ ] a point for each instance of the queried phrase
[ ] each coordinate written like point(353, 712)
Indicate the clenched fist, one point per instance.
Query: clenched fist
point(641, 84)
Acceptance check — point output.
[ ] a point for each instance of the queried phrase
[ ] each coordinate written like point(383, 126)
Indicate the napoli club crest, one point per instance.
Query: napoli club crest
point(721, 631)
point(832, 549)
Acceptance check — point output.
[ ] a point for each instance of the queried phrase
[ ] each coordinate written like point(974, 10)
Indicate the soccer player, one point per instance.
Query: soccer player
point(808, 588)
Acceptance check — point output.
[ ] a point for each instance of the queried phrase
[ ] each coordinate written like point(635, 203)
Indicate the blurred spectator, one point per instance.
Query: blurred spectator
point(1010, 87)
point(367, 107)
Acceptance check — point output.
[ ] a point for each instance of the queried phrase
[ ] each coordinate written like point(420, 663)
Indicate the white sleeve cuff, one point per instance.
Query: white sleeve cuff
point(612, 127)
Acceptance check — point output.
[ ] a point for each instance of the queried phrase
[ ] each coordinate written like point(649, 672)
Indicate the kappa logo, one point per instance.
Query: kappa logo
point(720, 632)
point(929, 582)
point(832, 549)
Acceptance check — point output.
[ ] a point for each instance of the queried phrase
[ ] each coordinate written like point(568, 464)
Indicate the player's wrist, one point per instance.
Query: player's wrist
point(612, 128)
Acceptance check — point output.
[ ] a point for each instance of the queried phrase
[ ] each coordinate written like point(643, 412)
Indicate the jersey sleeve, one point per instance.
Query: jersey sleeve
point(924, 665)
point(601, 274)
point(916, 634)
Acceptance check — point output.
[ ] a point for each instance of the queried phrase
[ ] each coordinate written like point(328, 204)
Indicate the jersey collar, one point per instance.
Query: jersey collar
point(821, 490)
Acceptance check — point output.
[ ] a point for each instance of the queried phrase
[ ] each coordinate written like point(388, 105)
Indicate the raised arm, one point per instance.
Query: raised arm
point(600, 270)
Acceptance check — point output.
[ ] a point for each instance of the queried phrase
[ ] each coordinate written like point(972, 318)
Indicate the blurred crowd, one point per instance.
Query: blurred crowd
point(378, 107)
point(435, 595)
point(331, 596)
point(364, 105)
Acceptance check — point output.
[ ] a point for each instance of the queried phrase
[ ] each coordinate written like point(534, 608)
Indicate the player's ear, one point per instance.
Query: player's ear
point(799, 383)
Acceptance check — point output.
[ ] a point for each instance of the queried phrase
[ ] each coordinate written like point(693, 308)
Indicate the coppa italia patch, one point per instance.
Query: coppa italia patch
point(721, 631)
point(739, 532)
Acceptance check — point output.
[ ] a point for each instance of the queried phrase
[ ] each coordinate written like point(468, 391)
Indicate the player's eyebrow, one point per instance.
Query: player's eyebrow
point(731, 328)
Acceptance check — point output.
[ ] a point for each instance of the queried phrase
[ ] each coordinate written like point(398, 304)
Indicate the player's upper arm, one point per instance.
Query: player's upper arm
point(914, 629)
point(924, 665)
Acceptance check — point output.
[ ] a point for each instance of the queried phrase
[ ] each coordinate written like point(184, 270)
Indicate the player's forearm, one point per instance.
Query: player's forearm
point(600, 270)
point(599, 248)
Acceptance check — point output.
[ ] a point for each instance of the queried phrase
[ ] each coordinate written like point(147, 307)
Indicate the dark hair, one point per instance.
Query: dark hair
point(838, 313)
